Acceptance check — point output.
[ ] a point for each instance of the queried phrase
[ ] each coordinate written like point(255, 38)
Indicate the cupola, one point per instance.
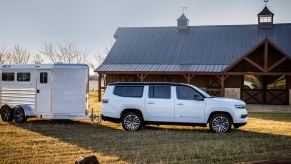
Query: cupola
point(182, 22)
point(265, 18)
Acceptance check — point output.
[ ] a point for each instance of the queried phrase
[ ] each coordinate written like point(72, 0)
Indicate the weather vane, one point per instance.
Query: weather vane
point(183, 8)
point(266, 1)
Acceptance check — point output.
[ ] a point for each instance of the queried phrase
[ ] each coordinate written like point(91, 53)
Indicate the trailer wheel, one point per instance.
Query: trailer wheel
point(6, 113)
point(19, 115)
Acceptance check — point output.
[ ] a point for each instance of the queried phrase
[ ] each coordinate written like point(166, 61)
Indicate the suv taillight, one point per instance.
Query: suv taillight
point(105, 100)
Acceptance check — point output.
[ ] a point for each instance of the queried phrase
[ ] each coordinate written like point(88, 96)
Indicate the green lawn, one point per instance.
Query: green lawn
point(266, 136)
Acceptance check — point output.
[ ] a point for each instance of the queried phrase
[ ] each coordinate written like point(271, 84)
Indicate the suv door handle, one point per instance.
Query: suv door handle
point(180, 104)
point(150, 102)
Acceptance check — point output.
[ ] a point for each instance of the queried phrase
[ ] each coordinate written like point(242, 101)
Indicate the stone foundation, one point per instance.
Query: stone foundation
point(232, 93)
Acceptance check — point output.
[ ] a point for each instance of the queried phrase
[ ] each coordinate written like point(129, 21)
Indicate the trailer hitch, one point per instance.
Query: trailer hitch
point(94, 117)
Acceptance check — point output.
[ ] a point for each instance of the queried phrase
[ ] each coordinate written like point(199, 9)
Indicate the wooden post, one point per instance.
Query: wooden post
point(99, 87)
point(141, 77)
point(266, 54)
point(222, 85)
point(188, 77)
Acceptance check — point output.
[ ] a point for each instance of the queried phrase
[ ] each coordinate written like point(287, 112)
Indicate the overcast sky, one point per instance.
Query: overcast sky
point(92, 23)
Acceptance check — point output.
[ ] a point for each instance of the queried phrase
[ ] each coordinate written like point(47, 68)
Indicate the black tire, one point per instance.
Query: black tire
point(220, 123)
point(132, 121)
point(6, 114)
point(19, 115)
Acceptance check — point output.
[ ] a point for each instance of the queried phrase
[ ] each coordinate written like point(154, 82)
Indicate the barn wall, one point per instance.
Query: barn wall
point(289, 87)
point(198, 80)
point(232, 87)
point(233, 82)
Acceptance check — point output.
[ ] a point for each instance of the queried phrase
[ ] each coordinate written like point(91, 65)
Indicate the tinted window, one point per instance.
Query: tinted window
point(7, 76)
point(43, 77)
point(23, 76)
point(128, 91)
point(186, 93)
point(160, 92)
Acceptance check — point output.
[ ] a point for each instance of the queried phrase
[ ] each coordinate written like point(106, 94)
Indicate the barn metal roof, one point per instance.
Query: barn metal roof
point(197, 49)
point(160, 68)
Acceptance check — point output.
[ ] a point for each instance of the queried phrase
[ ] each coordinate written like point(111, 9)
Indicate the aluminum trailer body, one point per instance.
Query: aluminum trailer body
point(53, 91)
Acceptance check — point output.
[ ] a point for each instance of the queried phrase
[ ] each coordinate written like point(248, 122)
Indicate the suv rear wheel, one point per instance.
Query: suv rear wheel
point(220, 123)
point(131, 121)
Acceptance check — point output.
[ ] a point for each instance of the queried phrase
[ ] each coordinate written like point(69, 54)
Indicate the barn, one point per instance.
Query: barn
point(248, 62)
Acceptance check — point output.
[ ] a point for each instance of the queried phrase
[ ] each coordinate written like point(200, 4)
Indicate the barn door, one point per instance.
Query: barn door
point(43, 92)
point(264, 90)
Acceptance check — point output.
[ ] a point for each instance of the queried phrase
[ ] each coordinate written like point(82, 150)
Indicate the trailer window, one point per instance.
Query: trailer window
point(23, 76)
point(43, 77)
point(7, 76)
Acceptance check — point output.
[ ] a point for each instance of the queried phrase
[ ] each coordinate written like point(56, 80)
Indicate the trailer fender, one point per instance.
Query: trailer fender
point(28, 110)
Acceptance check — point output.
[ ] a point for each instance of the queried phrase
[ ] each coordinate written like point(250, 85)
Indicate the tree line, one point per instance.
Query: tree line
point(50, 53)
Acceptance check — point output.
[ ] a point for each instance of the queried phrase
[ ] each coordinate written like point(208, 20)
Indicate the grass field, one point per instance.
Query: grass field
point(266, 136)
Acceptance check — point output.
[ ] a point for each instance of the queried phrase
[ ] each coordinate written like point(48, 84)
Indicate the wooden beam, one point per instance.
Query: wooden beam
point(266, 54)
point(245, 55)
point(188, 77)
point(141, 77)
point(254, 64)
point(277, 63)
point(219, 76)
point(226, 76)
point(258, 73)
point(222, 85)
point(99, 87)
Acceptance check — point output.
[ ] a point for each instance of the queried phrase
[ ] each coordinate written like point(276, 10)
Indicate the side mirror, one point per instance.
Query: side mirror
point(198, 98)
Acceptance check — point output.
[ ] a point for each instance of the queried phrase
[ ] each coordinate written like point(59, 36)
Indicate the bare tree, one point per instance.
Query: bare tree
point(19, 55)
point(99, 58)
point(67, 53)
point(4, 56)
point(37, 59)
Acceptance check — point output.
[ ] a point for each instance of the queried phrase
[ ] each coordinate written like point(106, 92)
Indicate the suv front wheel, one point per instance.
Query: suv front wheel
point(131, 121)
point(220, 123)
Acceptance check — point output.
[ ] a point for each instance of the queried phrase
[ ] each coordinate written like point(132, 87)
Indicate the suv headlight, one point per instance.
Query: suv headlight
point(240, 106)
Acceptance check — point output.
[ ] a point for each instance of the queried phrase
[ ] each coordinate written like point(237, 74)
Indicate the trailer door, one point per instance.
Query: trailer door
point(43, 86)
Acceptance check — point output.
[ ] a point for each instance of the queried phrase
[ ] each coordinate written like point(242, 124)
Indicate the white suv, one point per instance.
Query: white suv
point(139, 104)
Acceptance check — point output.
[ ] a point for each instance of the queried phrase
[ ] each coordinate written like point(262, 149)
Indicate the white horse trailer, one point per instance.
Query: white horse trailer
point(52, 91)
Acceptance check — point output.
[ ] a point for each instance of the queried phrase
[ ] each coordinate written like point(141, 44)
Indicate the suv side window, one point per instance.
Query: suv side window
point(128, 91)
point(186, 93)
point(160, 92)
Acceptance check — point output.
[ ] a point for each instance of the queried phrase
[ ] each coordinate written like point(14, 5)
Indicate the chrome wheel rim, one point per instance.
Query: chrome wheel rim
point(6, 114)
point(220, 124)
point(17, 115)
point(131, 122)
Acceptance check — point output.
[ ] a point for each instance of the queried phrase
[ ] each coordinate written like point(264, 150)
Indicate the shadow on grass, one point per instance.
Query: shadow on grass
point(160, 144)
point(275, 116)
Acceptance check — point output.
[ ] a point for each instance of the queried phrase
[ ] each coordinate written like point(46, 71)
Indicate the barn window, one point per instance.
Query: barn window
point(7, 76)
point(43, 77)
point(276, 82)
point(252, 82)
point(23, 76)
